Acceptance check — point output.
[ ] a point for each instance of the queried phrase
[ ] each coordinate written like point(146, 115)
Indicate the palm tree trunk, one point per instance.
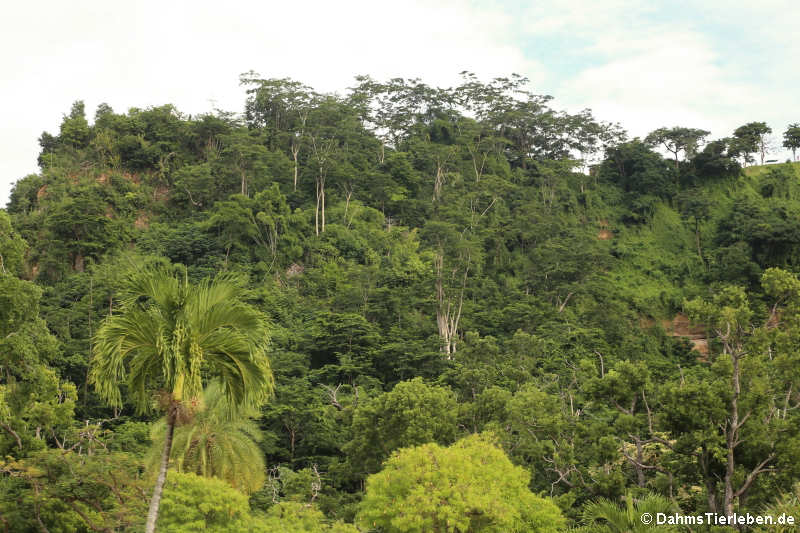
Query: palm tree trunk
point(155, 501)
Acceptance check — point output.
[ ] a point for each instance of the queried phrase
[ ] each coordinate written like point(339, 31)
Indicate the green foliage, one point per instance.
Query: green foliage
point(12, 247)
point(637, 169)
point(67, 491)
point(213, 444)
point(787, 504)
point(791, 138)
point(193, 503)
point(717, 160)
point(469, 486)
point(74, 127)
point(411, 413)
point(32, 397)
point(605, 516)
point(294, 517)
point(166, 333)
point(431, 262)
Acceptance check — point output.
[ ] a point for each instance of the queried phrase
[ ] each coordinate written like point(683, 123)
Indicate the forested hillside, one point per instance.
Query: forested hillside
point(559, 318)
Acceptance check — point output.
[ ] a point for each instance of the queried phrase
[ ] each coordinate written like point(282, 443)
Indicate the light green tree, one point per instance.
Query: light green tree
point(169, 335)
point(470, 486)
point(296, 517)
point(74, 127)
point(194, 504)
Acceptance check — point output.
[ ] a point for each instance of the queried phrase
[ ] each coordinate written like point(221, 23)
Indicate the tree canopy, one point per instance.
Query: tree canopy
point(283, 316)
point(469, 486)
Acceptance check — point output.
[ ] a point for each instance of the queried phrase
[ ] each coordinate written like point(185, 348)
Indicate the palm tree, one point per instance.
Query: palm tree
point(605, 516)
point(215, 445)
point(169, 335)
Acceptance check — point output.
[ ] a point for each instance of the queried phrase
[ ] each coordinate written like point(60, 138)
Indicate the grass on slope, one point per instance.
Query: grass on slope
point(759, 170)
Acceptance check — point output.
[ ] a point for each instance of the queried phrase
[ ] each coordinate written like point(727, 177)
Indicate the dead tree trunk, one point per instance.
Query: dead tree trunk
point(448, 308)
point(733, 426)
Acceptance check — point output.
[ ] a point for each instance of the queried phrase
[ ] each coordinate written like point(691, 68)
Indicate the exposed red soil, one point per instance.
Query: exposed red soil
point(142, 221)
point(680, 326)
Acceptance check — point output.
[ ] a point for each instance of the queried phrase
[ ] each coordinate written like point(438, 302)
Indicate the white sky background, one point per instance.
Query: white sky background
point(627, 64)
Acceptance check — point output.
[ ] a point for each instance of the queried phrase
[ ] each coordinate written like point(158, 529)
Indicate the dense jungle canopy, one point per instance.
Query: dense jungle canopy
point(477, 312)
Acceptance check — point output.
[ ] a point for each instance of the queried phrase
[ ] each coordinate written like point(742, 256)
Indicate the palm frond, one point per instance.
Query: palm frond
point(215, 445)
point(169, 334)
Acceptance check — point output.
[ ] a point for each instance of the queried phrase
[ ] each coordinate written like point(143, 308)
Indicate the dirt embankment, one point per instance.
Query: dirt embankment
point(680, 326)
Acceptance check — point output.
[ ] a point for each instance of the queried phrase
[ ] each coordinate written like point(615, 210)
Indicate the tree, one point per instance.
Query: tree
point(194, 504)
point(281, 108)
point(753, 359)
point(242, 152)
point(395, 107)
point(695, 205)
point(74, 127)
point(456, 253)
point(12, 247)
point(333, 127)
point(677, 139)
point(168, 335)
point(639, 170)
point(213, 444)
point(412, 413)
point(82, 488)
point(469, 486)
point(605, 516)
point(717, 160)
point(33, 400)
point(791, 138)
point(752, 138)
point(296, 517)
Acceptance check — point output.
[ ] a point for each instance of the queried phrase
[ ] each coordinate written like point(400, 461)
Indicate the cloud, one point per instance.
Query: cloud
point(713, 65)
point(671, 78)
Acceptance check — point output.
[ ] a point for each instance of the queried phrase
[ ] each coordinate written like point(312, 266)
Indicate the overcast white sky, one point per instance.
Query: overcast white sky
point(709, 64)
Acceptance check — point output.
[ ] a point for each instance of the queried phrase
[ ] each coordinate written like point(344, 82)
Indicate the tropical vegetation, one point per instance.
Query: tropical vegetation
point(398, 308)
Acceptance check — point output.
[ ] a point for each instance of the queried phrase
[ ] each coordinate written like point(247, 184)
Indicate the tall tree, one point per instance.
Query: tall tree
point(74, 127)
point(455, 256)
point(333, 128)
point(791, 138)
point(167, 336)
point(752, 138)
point(281, 107)
point(759, 365)
point(677, 139)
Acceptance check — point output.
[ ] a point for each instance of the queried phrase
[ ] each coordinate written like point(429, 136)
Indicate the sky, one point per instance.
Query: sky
point(707, 64)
